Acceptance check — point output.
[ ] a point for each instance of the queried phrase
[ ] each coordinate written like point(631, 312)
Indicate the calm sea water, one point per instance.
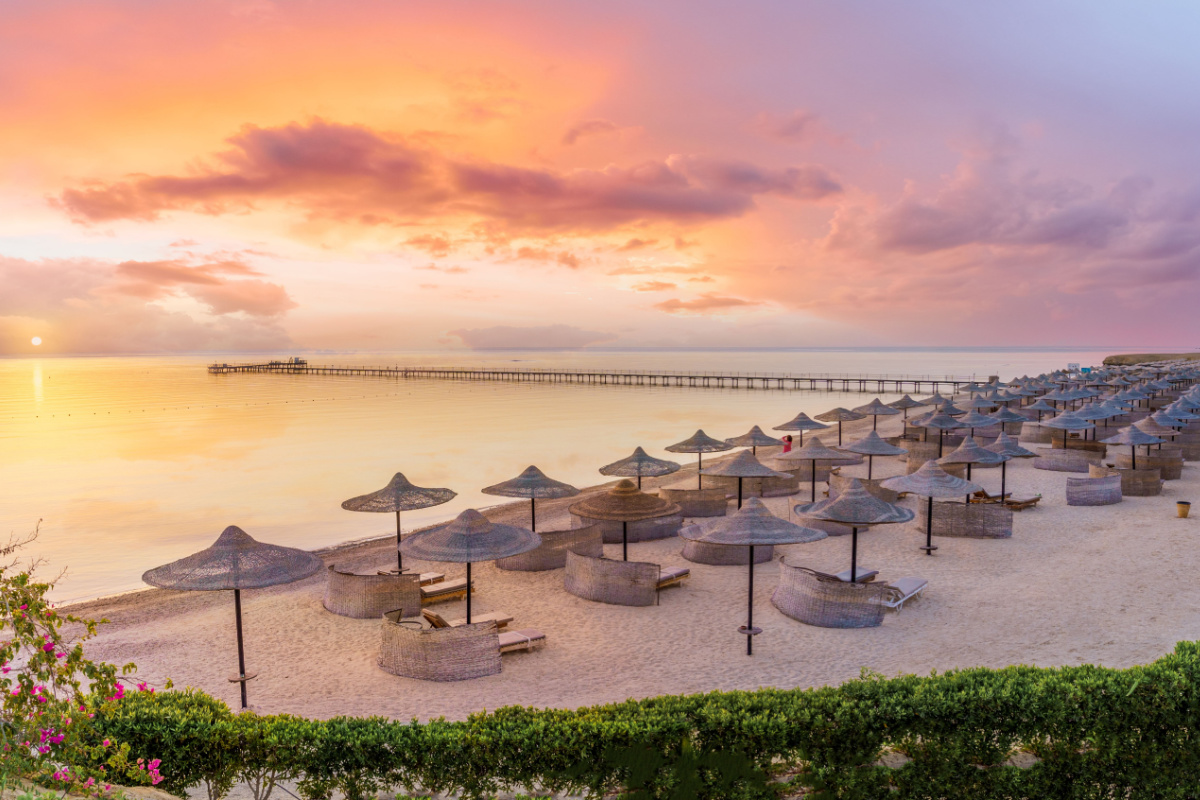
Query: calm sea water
point(136, 461)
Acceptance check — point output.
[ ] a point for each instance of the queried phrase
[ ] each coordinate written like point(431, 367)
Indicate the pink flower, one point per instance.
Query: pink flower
point(107, 742)
point(48, 647)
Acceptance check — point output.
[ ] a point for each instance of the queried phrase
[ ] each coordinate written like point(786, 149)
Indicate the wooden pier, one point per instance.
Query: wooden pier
point(880, 384)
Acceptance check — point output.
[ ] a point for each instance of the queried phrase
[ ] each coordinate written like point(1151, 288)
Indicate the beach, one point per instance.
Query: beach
point(1104, 585)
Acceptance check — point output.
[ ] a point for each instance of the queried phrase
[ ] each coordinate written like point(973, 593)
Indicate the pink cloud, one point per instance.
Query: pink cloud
point(653, 286)
point(352, 173)
point(591, 127)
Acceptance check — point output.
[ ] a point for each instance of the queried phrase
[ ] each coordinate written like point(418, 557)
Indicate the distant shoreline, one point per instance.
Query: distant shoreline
point(1129, 359)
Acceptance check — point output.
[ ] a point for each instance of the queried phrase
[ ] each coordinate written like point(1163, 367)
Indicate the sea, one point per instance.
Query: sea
point(125, 463)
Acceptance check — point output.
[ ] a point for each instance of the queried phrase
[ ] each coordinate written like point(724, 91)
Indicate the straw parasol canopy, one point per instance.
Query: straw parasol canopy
point(399, 495)
point(468, 538)
point(840, 415)
point(235, 561)
point(1133, 436)
point(978, 403)
point(949, 409)
point(814, 450)
point(1067, 421)
point(941, 423)
point(1041, 407)
point(699, 443)
point(876, 409)
point(624, 503)
point(1007, 446)
point(754, 439)
point(744, 465)
point(973, 419)
point(855, 507)
point(534, 484)
point(873, 445)
point(640, 464)
point(1004, 415)
point(752, 526)
point(931, 481)
point(904, 404)
point(801, 423)
point(970, 453)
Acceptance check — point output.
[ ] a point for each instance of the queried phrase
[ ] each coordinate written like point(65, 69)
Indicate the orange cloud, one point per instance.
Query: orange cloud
point(653, 286)
point(706, 303)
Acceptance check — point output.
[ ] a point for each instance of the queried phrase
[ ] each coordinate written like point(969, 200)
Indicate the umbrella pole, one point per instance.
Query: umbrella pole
point(870, 464)
point(1133, 456)
point(750, 630)
point(1003, 476)
point(813, 475)
point(468, 592)
point(399, 557)
point(941, 438)
point(839, 433)
point(639, 483)
point(624, 540)
point(929, 548)
point(874, 422)
point(699, 466)
point(968, 500)
point(739, 491)
point(853, 554)
point(533, 515)
point(237, 613)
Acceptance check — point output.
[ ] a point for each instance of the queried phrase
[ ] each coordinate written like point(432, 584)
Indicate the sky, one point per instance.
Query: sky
point(224, 175)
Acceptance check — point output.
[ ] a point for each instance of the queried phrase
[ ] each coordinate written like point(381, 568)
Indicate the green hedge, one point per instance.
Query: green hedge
point(1095, 732)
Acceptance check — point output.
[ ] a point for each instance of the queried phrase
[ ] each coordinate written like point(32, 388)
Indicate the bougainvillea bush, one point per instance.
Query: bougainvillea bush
point(49, 691)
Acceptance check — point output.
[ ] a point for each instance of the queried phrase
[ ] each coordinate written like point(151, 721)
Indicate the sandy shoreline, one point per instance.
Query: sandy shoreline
point(1073, 585)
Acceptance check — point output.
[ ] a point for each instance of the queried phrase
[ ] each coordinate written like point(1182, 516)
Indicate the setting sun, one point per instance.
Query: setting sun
point(37, 340)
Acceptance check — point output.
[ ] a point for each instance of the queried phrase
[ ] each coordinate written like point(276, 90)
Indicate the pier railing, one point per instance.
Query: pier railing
point(626, 377)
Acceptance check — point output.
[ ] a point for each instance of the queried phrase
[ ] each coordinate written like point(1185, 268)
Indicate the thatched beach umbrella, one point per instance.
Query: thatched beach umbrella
point(1041, 407)
point(235, 561)
point(1066, 422)
point(754, 439)
point(801, 423)
point(399, 495)
point(534, 484)
point(970, 453)
point(941, 423)
point(1005, 415)
point(1007, 446)
point(751, 526)
point(973, 419)
point(814, 450)
point(639, 464)
point(1133, 436)
point(840, 415)
point(931, 481)
point(876, 409)
point(855, 507)
point(699, 443)
point(744, 465)
point(873, 445)
point(469, 538)
point(624, 503)
point(904, 404)
point(980, 403)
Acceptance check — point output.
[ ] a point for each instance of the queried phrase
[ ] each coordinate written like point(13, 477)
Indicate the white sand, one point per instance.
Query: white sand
point(1109, 585)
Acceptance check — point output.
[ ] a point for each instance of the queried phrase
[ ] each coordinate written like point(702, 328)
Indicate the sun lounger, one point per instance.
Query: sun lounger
point(424, 578)
point(903, 590)
point(982, 496)
point(438, 621)
point(1022, 503)
point(861, 574)
point(444, 590)
point(524, 639)
point(672, 576)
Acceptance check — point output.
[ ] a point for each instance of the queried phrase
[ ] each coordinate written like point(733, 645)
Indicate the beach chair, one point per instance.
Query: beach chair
point(424, 578)
point(903, 590)
point(983, 496)
point(524, 639)
point(438, 621)
point(672, 576)
point(1022, 503)
point(861, 575)
point(444, 590)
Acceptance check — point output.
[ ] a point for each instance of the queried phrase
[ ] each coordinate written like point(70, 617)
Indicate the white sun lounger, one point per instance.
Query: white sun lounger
point(903, 590)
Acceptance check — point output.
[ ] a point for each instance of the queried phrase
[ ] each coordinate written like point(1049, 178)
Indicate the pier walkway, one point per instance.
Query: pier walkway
point(736, 380)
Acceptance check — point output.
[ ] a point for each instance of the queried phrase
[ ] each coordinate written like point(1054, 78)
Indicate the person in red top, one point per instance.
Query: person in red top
point(787, 444)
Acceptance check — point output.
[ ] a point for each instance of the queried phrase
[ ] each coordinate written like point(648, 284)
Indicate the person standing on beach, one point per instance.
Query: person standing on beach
point(787, 443)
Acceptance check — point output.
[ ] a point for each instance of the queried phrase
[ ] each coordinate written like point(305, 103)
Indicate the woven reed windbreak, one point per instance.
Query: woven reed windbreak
point(1057, 459)
point(966, 520)
point(552, 552)
point(622, 583)
point(697, 502)
point(1103, 491)
point(1134, 482)
point(813, 600)
point(370, 596)
point(1170, 467)
point(440, 654)
point(642, 530)
point(757, 487)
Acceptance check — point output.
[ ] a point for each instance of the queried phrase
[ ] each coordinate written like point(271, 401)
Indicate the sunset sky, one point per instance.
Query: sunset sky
point(220, 175)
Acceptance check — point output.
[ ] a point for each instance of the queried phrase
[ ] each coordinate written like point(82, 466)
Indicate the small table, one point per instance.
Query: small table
point(862, 575)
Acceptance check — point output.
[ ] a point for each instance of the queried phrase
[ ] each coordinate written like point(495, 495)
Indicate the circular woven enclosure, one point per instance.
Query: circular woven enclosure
point(235, 561)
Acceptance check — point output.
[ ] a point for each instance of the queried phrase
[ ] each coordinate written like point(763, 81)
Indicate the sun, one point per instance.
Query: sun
point(37, 340)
